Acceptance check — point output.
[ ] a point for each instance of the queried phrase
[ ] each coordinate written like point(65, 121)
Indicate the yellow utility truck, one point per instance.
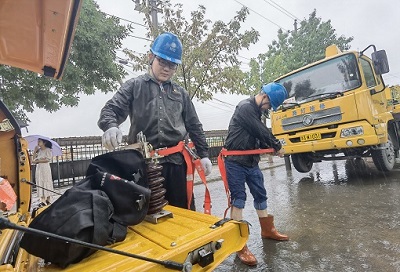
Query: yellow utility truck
point(339, 108)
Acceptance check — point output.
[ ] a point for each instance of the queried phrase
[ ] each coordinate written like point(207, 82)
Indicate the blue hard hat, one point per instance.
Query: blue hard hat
point(168, 46)
point(276, 94)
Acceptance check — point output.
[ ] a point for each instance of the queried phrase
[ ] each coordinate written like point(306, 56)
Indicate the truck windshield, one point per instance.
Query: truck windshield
point(334, 76)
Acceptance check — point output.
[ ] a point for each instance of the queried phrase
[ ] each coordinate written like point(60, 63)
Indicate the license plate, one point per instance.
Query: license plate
point(310, 137)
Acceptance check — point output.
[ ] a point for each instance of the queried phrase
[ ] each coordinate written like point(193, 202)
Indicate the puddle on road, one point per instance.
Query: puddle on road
point(341, 216)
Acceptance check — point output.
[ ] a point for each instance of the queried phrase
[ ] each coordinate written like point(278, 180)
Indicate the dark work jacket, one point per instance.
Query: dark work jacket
point(247, 132)
point(165, 114)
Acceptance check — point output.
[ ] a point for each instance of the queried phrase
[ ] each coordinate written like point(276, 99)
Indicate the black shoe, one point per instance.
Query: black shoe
point(34, 212)
point(48, 202)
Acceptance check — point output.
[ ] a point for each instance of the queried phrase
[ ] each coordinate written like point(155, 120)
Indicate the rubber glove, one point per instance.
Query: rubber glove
point(207, 166)
point(112, 137)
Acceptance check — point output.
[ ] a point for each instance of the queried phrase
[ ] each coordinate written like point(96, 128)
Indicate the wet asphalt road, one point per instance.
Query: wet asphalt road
point(338, 217)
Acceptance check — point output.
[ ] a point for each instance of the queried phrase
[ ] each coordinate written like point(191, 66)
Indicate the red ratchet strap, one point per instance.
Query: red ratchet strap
point(221, 165)
point(192, 162)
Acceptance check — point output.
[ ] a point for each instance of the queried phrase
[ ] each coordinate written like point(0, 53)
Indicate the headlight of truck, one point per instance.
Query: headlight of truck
point(353, 131)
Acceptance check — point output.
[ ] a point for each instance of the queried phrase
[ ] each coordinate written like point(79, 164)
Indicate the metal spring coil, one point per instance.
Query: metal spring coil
point(157, 198)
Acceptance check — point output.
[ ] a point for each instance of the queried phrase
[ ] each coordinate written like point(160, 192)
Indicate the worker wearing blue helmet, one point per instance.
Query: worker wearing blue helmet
point(247, 132)
point(168, 47)
point(276, 94)
point(163, 111)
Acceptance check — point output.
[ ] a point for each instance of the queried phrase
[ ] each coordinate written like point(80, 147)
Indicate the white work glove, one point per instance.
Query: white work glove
point(207, 166)
point(112, 137)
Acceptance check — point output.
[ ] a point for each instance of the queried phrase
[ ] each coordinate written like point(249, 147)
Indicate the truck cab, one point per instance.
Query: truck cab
point(338, 108)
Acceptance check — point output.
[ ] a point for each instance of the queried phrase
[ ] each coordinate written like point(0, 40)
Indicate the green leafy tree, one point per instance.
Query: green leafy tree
point(210, 50)
point(295, 49)
point(91, 67)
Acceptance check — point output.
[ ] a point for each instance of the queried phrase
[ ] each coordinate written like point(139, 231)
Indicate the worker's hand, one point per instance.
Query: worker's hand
point(280, 153)
point(207, 166)
point(112, 137)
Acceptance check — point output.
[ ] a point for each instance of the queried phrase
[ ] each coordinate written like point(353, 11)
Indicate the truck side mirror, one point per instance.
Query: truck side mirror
point(380, 61)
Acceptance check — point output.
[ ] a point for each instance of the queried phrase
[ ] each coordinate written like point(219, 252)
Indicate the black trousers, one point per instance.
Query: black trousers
point(175, 184)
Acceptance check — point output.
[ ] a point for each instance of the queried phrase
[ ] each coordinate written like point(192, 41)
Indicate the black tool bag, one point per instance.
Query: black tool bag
point(122, 176)
point(130, 201)
point(126, 164)
point(84, 215)
point(96, 210)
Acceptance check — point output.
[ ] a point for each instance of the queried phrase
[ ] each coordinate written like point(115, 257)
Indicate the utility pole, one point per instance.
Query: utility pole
point(153, 10)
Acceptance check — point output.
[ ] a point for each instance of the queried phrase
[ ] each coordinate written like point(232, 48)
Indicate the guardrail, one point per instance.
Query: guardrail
point(78, 152)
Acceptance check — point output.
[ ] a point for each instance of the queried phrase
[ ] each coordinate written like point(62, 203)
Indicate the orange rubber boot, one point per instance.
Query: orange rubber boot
point(268, 229)
point(246, 256)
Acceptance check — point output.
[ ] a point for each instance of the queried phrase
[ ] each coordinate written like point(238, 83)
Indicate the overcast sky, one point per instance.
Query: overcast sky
point(369, 22)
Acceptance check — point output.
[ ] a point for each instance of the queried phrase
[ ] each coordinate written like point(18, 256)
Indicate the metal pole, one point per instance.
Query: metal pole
point(72, 164)
point(287, 163)
point(153, 13)
point(33, 184)
point(58, 172)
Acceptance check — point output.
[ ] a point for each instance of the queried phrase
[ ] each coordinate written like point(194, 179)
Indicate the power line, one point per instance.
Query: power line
point(261, 15)
point(223, 102)
point(141, 38)
point(216, 104)
point(121, 50)
point(219, 106)
point(129, 71)
point(244, 58)
point(295, 17)
point(123, 19)
point(124, 61)
point(281, 9)
point(225, 110)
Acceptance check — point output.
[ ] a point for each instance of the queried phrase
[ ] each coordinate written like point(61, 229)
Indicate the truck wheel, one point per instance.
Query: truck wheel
point(302, 162)
point(384, 159)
